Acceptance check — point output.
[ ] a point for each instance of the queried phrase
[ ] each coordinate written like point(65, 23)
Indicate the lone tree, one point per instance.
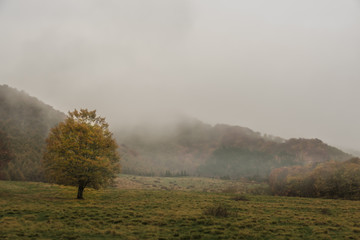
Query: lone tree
point(81, 152)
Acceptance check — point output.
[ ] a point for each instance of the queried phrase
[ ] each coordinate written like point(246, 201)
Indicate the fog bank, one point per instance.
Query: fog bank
point(288, 68)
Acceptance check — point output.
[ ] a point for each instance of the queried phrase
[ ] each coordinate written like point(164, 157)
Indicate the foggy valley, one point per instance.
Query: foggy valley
point(179, 119)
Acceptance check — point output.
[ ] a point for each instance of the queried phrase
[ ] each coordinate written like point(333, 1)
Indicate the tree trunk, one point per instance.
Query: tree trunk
point(80, 192)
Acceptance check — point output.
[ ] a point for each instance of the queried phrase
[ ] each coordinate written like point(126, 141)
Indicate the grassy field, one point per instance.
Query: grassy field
point(196, 184)
point(44, 211)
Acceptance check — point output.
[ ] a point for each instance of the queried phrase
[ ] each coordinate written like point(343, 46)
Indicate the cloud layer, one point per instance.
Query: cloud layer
point(289, 68)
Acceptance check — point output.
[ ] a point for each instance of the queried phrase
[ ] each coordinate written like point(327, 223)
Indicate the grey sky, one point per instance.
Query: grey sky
point(285, 67)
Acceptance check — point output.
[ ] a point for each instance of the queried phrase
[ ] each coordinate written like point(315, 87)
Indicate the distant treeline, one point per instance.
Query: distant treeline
point(235, 163)
point(218, 151)
point(329, 180)
point(166, 173)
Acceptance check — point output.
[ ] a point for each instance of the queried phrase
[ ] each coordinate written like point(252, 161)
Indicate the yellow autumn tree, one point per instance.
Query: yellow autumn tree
point(81, 152)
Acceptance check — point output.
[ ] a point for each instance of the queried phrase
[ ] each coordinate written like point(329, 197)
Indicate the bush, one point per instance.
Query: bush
point(219, 210)
point(240, 198)
point(325, 211)
point(330, 180)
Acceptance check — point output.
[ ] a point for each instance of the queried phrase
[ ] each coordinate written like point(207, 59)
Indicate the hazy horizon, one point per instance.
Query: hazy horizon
point(286, 68)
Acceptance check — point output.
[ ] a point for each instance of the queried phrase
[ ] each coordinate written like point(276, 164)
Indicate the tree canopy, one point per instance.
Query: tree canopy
point(81, 152)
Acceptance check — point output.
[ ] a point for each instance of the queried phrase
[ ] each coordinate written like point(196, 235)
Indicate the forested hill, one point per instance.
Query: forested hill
point(187, 147)
point(221, 151)
point(24, 123)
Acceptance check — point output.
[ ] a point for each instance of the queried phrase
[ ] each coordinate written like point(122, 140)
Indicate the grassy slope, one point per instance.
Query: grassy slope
point(43, 211)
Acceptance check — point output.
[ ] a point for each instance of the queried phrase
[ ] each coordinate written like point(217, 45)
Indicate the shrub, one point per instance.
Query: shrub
point(240, 198)
point(218, 210)
point(325, 211)
point(330, 180)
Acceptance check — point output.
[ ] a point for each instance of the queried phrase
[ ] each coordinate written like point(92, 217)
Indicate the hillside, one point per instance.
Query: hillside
point(188, 147)
point(25, 121)
point(221, 150)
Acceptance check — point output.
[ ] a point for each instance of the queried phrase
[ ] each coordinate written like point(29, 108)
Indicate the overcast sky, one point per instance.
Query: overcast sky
point(290, 68)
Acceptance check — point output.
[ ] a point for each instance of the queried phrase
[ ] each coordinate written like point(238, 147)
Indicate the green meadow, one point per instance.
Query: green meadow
point(170, 208)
